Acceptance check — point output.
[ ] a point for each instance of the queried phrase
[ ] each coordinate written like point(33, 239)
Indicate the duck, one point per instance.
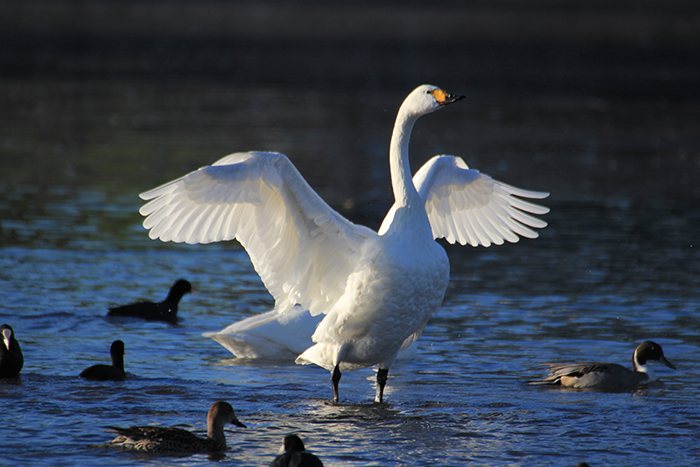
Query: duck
point(276, 337)
point(608, 376)
point(295, 455)
point(161, 311)
point(113, 372)
point(171, 440)
point(376, 289)
point(11, 358)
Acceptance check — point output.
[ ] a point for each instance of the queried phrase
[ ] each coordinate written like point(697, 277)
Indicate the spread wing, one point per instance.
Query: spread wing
point(466, 206)
point(302, 249)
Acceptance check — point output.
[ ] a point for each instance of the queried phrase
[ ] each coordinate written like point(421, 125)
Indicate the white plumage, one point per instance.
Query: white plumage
point(377, 290)
point(274, 336)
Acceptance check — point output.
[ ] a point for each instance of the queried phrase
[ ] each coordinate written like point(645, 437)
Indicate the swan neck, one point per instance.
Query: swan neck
point(401, 178)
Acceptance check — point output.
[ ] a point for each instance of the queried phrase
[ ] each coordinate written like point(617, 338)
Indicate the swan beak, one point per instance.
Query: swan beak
point(667, 363)
point(444, 98)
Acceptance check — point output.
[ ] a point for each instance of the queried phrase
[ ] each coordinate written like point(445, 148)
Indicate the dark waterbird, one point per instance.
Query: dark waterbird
point(295, 455)
point(176, 441)
point(113, 372)
point(608, 376)
point(161, 311)
point(11, 358)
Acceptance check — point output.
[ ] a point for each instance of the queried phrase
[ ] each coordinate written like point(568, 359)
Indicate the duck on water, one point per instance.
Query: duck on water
point(113, 372)
point(11, 357)
point(377, 290)
point(295, 454)
point(608, 376)
point(176, 441)
point(161, 311)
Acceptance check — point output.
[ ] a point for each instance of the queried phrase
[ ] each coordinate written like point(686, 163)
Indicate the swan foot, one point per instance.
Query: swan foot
point(335, 379)
point(382, 376)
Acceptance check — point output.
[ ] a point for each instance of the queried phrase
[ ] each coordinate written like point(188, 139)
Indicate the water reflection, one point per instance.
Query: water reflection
point(463, 399)
point(130, 136)
point(618, 264)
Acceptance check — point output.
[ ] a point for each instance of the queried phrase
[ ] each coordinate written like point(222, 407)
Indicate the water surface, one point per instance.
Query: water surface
point(587, 289)
point(607, 122)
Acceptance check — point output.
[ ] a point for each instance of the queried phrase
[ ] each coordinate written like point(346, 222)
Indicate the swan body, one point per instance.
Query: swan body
point(269, 335)
point(377, 290)
point(275, 336)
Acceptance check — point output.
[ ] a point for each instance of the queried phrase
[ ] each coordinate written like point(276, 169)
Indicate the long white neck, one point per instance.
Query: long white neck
point(405, 193)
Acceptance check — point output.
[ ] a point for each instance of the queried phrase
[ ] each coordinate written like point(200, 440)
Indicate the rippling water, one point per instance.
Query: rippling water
point(95, 108)
point(599, 280)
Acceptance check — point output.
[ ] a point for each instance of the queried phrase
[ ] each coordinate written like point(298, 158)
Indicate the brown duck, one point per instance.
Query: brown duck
point(170, 440)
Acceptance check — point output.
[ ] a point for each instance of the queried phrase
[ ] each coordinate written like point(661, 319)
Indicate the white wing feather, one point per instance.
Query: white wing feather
point(466, 206)
point(302, 249)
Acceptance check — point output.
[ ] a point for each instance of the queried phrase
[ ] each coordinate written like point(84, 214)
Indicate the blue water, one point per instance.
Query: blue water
point(599, 280)
point(97, 107)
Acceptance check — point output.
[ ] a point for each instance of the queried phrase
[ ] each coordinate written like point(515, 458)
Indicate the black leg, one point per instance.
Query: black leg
point(382, 376)
point(335, 379)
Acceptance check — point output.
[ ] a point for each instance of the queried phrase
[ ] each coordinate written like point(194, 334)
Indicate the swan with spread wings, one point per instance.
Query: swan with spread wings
point(377, 290)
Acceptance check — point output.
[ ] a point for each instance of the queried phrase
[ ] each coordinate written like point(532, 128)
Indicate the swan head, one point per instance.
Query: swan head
point(427, 98)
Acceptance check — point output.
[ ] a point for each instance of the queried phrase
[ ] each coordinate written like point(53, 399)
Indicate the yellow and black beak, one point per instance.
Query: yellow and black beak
point(444, 98)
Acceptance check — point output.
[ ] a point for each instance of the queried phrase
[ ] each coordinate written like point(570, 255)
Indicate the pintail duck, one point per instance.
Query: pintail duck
point(113, 372)
point(295, 455)
point(11, 358)
point(170, 440)
point(161, 311)
point(608, 376)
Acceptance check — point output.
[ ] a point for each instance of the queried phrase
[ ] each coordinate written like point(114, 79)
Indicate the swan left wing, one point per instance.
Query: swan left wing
point(302, 249)
point(466, 206)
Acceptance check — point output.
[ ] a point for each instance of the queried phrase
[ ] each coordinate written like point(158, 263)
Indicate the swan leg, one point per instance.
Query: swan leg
point(335, 379)
point(382, 376)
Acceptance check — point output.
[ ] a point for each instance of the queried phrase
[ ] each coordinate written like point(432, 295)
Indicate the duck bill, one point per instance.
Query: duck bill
point(237, 423)
point(667, 363)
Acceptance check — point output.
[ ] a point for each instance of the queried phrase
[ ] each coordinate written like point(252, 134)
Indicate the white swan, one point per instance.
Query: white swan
point(376, 289)
point(275, 336)
point(269, 335)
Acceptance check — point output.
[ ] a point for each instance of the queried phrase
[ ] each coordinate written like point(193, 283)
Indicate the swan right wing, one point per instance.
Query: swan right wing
point(466, 206)
point(302, 249)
